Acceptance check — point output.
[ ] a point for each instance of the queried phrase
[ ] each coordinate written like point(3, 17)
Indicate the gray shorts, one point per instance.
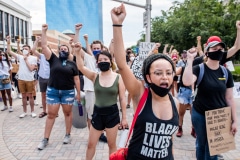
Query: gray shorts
point(43, 84)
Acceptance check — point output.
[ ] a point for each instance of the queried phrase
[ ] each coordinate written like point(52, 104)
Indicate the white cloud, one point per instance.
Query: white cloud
point(133, 24)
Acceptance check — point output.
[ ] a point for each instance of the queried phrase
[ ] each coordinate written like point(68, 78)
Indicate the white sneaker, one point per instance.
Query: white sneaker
point(10, 109)
point(23, 115)
point(35, 103)
point(20, 96)
point(34, 115)
point(4, 108)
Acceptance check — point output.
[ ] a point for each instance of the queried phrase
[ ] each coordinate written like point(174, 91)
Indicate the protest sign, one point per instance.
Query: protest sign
point(218, 123)
point(236, 90)
point(144, 48)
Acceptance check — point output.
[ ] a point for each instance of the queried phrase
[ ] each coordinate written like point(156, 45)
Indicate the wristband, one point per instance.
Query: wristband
point(117, 25)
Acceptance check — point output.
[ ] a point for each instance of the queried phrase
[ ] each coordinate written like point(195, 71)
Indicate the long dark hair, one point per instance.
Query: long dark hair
point(6, 55)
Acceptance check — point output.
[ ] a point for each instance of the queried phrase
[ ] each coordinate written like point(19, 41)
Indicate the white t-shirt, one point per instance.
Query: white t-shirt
point(4, 68)
point(90, 63)
point(24, 73)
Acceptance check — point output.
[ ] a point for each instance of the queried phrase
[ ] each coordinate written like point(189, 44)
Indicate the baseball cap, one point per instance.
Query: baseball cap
point(213, 41)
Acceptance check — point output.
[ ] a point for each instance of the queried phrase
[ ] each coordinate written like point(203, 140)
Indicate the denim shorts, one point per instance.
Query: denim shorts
point(185, 95)
point(4, 86)
point(55, 96)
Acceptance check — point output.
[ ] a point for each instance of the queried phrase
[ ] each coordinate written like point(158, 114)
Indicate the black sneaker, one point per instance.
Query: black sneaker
point(103, 138)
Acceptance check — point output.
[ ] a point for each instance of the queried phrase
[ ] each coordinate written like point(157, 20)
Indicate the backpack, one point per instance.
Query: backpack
point(201, 73)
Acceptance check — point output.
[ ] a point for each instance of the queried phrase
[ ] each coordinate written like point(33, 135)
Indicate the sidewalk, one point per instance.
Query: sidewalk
point(19, 138)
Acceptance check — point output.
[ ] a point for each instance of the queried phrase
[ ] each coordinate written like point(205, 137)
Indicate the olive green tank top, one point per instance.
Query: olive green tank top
point(106, 96)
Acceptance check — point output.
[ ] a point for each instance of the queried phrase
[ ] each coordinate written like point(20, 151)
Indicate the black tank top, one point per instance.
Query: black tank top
point(152, 137)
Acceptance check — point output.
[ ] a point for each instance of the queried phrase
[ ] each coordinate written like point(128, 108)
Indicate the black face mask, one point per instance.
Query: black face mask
point(159, 90)
point(104, 66)
point(216, 55)
point(63, 55)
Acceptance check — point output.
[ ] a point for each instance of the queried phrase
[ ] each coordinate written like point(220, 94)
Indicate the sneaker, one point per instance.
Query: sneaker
point(10, 109)
point(20, 96)
point(128, 106)
point(34, 115)
point(43, 144)
point(35, 103)
point(4, 108)
point(193, 133)
point(180, 132)
point(23, 115)
point(67, 139)
point(103, 138)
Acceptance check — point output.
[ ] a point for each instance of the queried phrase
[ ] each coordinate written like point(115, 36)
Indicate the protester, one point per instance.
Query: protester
point(27, 64)
point(90, 63)
point(44, 73)
point(5, 75)
point(60, 91)
point(160, 110)
point(108, 85)
point(213, 92)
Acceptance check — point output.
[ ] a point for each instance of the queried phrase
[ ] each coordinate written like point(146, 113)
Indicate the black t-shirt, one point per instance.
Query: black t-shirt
point(211, 90)
point(199, 60)
point(62, 77)
point(152, 137)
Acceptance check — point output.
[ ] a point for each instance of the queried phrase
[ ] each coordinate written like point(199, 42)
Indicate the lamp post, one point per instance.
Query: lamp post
point(146, 16)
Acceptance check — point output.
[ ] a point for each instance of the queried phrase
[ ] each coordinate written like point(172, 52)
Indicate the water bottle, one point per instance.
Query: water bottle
point(80, 108)
point(123, 138)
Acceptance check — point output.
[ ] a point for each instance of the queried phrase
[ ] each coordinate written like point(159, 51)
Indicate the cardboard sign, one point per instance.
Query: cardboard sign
point(236, 90)
point(144, 48)
point(15, 68)
point(218, 123)
point(230, 66)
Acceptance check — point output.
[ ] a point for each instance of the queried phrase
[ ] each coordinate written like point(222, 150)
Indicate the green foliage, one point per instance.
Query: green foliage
point(183, 22)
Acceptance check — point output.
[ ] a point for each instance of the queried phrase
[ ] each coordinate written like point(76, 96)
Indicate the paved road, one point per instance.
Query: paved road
point(19, 138)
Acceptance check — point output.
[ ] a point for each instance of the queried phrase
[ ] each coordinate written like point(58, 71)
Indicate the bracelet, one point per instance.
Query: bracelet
point(117, 25)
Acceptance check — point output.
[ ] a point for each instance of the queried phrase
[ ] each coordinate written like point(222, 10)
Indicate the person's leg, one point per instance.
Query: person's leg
point(198, 121)
point(181, 112)
point(112, 137)
point(92, 142)
point(67, 111)
point(89, 104)
point(43, 89)
point(30, 93)
point(9, 99)
point(52, 112)
point(128, 100)
point(4, 97)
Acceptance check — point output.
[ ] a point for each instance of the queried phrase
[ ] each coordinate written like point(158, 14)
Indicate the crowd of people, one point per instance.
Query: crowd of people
point(105, 75)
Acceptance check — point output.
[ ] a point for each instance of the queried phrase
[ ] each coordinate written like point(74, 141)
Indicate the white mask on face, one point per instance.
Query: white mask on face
point(13, 60)
point(132, 58)
point(25, 52)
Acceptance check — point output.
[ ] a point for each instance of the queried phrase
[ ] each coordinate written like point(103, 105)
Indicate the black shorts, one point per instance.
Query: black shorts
point(107, 117)
point(43, 84)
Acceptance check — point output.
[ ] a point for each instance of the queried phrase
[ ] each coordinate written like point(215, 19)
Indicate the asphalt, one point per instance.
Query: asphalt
point(19, 138)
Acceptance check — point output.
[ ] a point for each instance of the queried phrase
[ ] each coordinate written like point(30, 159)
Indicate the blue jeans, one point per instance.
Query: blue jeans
point(199, 124)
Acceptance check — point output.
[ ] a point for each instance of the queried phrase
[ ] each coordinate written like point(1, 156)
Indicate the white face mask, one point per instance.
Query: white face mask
point(25, 52)
point(132, 58)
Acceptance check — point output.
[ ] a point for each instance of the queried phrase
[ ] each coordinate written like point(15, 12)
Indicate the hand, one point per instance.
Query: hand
point(234, 128)
point(71, 43)
point(118, 14)
point(191, 53)
point(78, 26)
point(157, 45)
point(166, 45)
point(85, 36)
point(38, 39)
point(44, 27)
point(238, 24)
point(18, 41)
point(78, 97)
point(77, 47)
point(8, 39)
point(172, 46)
point(198, 38)
point(123, 124)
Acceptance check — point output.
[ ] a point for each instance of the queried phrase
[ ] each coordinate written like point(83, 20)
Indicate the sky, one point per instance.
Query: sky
point(132, 25)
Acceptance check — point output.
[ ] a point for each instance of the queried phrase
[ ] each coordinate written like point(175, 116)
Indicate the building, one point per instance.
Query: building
point(54, 38)
point(68, 13)
point(16, 22)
